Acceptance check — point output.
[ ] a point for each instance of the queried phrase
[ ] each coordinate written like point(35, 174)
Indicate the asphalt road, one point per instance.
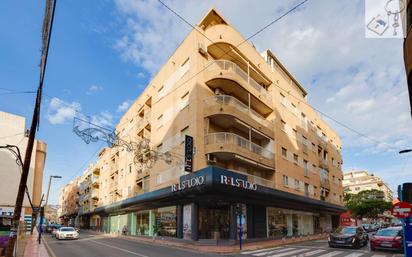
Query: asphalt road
point(318, 248)
point(90, 245)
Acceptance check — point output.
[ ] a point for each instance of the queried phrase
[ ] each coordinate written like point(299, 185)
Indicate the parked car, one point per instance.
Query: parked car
point(51, 227)
point(67, 233)
point(388, 238)
point(352, 236)
point(370, 227)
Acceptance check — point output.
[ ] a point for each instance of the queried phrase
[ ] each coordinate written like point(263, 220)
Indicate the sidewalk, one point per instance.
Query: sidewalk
point(222, 249)
point(33, 248)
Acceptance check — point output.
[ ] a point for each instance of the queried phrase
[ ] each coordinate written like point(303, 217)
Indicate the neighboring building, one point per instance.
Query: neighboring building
point(359, 180)
point(89, 198)
point(407, 49)
point(13, 132)
point(50, 213)
point(69, 203)
point(259, 147)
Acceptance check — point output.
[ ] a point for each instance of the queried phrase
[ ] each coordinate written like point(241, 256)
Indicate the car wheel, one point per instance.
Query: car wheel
point(331, 245)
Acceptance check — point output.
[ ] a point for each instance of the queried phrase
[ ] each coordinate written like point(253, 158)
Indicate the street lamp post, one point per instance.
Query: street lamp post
point(43, 209)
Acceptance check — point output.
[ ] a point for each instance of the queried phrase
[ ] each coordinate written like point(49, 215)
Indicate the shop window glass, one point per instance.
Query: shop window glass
point(166, 221)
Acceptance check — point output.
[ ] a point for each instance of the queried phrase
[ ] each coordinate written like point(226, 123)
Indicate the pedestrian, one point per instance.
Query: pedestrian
point(125, 230)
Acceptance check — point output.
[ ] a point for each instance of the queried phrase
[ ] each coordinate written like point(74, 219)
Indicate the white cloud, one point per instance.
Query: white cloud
point(93, 89)
point(59, 111)
point(124, 106)
point(104, 119)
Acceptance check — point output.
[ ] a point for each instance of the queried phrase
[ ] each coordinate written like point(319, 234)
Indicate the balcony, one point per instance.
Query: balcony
point(323, 163)
point(237, 82)
point(95, 195)
point(325, 183)
point(225, 142)
point(94, 180)
point(257, 180)
point(231, 105)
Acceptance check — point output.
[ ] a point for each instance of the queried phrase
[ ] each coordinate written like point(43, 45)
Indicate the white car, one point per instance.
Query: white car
point(67, 233)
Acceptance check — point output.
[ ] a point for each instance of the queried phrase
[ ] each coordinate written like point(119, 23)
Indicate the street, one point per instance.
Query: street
point(101, 246)
point(90, 245)
point(318, 248)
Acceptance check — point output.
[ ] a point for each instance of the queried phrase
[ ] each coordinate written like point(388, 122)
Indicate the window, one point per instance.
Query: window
point(284, 152)
point(295, 158)
point(295, 133)
point(305, 168)
point(185, 61)
point(130, 168)
point(160, 147)
point(160, 89)
point(146, 181)
point(283, 125)
point(306, 189)
point(285, 180)
point(183, 133)
point(297, 184)
point(357, 188)
point(294, 110)
point(184, 100)
point(282, 99)
point(303, 121)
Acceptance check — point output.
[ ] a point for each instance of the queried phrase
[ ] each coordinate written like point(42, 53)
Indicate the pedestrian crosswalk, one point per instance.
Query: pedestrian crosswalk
point(298, 251)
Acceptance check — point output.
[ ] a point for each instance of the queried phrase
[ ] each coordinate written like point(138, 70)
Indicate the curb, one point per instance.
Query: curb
point(48, 249)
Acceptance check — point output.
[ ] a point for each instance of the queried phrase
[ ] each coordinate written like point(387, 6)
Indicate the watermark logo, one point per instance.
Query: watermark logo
point(385, 18)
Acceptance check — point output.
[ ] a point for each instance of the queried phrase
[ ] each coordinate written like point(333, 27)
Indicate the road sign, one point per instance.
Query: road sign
point(401, 210)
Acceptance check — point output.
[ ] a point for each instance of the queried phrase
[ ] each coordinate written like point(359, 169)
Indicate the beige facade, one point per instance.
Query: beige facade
point(13, 132)
point(246, 113)
point(359, 180)
point(69, 202)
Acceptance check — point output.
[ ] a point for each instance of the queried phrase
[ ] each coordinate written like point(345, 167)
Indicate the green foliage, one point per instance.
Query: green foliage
point(366, 204)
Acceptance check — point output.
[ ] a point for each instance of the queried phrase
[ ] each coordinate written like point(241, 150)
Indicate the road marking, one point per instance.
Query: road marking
point(310, 253)
point(120, 249)
point(331, 254)
point(260, 250)
point(378, 255)
point(354, 255)
point(288, 253)
point(274, 251)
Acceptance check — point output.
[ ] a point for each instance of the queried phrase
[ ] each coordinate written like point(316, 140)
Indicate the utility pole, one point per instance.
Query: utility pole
point(46, 34)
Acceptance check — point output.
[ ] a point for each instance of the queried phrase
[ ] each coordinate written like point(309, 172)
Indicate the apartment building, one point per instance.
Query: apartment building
point(358, 180)
point(69, 203)
point(13, 132)
point(259, 148)
point(89, 198)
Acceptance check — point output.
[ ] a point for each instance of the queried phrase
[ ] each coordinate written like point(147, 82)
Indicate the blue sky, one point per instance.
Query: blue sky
point(103, 53)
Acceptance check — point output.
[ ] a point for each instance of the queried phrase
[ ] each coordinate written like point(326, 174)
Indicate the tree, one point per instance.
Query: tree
point(367, 203)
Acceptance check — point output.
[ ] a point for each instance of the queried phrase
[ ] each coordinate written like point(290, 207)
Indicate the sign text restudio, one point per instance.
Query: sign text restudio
point(237, 182)
point(189, 183)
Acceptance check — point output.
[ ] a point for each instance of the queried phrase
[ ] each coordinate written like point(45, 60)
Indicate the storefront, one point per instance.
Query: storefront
point(206, 205)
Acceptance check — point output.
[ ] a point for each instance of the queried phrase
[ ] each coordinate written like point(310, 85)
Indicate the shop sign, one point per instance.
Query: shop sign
point(237, 182)
point(401, 210)
point(188, 153)
point(189, 183)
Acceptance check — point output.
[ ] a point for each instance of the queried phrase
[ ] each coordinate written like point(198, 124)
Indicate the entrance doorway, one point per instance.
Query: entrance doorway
point(214, 222)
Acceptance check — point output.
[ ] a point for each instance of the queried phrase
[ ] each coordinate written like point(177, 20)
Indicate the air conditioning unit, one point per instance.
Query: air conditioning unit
point(211, 158)
point(202, 49)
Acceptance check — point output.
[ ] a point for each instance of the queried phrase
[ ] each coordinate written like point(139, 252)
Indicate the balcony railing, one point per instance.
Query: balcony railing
point(325, 183)
point(230, 66)
point(231, 138)
point(234, 102)
point(257, 180)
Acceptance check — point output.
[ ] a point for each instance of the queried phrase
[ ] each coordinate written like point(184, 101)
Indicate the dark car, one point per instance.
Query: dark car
point(52, 227)
point(388, 238)
point(353, 236)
